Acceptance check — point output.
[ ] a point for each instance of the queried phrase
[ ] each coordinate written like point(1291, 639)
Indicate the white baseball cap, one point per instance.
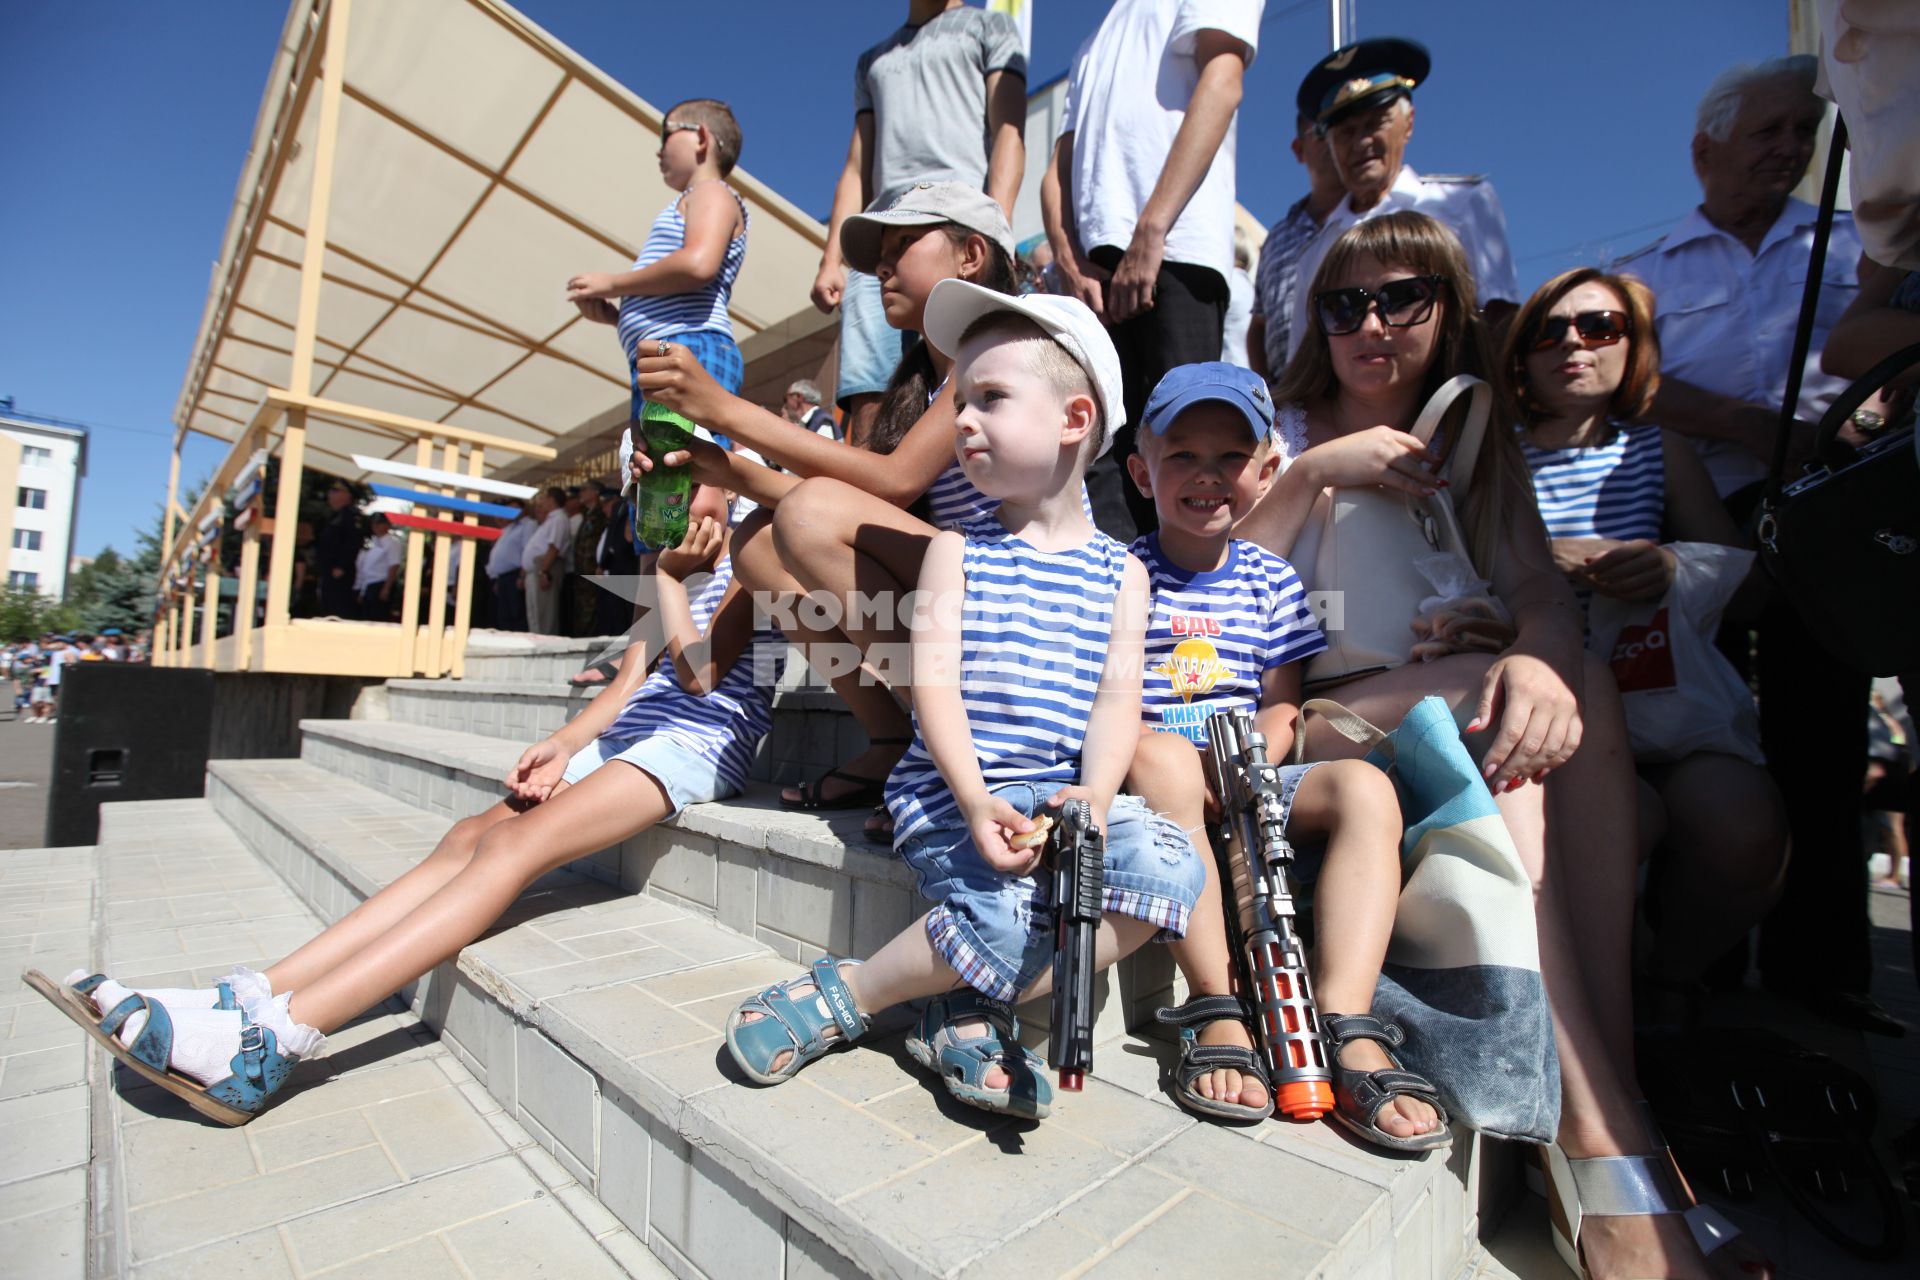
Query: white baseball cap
point(956, 304)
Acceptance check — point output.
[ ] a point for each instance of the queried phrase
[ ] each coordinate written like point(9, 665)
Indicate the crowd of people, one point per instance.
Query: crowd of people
point(35, 667)
point(1131, 530)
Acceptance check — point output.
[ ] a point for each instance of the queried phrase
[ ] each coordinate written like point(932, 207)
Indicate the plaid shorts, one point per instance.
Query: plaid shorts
point(717, 353)
point(995, 930)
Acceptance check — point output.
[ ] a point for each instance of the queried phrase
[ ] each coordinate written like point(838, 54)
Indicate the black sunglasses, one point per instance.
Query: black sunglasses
point(1401, 304)
point(1596, 329)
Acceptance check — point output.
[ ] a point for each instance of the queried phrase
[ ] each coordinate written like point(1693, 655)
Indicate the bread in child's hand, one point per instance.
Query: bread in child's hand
point(1034, 838)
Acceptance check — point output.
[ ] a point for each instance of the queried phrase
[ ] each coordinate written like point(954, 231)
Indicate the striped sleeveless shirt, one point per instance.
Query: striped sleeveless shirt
point(1033, 642)
point(662, 315)
point(1613, 490)
point(723, 728)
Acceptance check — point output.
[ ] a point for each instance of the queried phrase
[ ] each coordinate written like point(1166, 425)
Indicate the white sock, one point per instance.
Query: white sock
point(204, 1041)
point(295, 1038)
point(246, 984)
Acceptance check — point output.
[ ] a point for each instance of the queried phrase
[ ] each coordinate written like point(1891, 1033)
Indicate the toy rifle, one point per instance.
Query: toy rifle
point(1078, 858)
point(1256, 864)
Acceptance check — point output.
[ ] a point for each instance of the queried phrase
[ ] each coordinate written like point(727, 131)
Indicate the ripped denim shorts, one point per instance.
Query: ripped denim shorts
point(994, 929)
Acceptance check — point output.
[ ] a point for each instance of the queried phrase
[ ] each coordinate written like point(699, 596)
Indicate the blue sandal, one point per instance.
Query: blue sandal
point(962, 1064)
point(260, 1068)
point(794, 1026)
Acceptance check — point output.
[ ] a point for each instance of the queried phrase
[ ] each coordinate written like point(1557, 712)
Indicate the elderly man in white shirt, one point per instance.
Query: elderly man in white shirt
point(543, 561)
point(1727, 280)
point(1361, 99)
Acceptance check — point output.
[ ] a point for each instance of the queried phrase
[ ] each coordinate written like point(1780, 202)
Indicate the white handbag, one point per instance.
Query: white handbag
point(1366, 569)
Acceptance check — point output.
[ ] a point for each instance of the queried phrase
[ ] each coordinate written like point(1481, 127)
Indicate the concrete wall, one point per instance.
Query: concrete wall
point(258, 715)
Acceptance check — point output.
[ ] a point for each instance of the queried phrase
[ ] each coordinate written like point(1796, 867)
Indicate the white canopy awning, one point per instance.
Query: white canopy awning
point(478, 163)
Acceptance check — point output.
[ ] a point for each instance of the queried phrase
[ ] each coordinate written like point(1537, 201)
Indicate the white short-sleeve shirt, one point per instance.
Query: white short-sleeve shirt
point(1468, 206)
point(555, 532)
point(1126, 96)
point(1726, 316)
point(375, 559)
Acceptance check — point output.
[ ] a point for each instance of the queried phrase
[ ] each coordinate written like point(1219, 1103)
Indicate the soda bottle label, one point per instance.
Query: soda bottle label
point(660, 506)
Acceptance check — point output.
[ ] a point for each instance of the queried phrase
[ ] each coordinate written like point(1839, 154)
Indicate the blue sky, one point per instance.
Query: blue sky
point(123, 127)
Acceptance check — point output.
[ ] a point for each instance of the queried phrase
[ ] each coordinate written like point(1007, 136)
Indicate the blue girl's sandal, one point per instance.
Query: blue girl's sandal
point(962, 1064)
point(259, 1068)
point(795, 1025)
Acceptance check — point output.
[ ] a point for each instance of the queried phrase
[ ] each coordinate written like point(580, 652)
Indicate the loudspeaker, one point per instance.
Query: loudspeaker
point(125, 733)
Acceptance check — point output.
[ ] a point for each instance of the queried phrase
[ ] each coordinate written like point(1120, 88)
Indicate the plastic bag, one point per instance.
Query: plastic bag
point(1462, 616)
point(1681, 694)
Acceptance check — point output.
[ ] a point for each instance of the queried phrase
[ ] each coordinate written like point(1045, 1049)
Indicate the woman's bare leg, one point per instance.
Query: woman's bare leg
point(1168, 775)
point(757, 564)
point(1721, 869)
point(607, 806)
point(847, 547)
point(374, 917)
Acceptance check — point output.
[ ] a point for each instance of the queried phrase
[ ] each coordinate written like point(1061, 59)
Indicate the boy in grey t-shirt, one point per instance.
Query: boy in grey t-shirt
point(942, 99)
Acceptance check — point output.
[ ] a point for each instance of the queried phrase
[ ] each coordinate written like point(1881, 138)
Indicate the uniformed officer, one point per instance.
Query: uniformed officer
point(1361, 98)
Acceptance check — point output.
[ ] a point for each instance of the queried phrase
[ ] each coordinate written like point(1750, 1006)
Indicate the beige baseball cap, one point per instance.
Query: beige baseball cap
point(925, 205)
point(956, 304)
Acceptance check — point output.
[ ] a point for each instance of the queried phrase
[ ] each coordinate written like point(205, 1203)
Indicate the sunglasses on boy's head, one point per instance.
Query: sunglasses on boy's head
point(1401, 304)
point(1596, 329)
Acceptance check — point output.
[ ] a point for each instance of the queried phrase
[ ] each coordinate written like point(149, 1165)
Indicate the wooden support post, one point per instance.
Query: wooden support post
point(410, 597)
point(186, 624)
point(469, 569)
point(437, 602)
point(249, 588)
point(173, 491)
point(286, 520)
point(210, 609)
point(333, 73)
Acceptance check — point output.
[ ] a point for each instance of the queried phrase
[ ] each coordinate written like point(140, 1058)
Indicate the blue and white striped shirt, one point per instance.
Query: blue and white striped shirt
point(1214, 635)
point(954, 503)
point(723, 728)
point(661, 315)
point(1613, 490)
point(1033, 643)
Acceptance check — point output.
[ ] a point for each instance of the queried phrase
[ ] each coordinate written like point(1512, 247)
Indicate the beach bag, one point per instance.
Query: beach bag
point(1462, 976)
point(1400, 545)
point(1680, 693)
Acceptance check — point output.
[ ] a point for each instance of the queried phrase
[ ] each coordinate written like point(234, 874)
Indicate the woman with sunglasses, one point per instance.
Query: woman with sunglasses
point(1394, 316)
point(1581, 363)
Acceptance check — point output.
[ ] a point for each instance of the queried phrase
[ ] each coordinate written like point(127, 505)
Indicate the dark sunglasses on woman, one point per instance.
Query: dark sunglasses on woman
point(1596, 329)
point(1401, 304)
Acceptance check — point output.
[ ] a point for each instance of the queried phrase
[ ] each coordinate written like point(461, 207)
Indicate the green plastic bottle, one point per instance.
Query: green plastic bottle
point(660, 506)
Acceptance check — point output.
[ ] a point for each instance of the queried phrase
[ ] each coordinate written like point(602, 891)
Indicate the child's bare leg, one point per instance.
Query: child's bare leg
point(370, 920)
point(908, 968)
point(608, 805)
point(1168, 775)
point(756, 562)
point(1354, 901)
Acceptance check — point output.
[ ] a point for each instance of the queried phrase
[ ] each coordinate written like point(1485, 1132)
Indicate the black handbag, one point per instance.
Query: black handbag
point(1842, 541)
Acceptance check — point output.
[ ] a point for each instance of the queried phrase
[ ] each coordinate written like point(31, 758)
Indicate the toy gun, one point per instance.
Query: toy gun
point(1078, 857)
point(1256, 862)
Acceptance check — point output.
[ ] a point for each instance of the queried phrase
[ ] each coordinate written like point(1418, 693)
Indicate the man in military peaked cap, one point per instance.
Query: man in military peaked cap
point(1360, 99)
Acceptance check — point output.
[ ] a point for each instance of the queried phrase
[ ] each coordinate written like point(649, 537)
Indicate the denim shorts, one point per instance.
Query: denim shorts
point(687, 778)
point(993, 928)
point(870, 348)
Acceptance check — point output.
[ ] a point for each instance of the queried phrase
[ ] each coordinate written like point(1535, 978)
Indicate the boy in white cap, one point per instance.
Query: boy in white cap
point(1026, 693)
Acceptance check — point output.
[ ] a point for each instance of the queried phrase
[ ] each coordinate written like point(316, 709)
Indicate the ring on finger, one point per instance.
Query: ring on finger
point(663, 348)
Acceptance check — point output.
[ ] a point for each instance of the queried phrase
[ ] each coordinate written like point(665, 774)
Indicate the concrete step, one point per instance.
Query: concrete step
point(811, 727)
point(595, 1018)
point(512, 656)
point(384, 1157)
point(803, 884)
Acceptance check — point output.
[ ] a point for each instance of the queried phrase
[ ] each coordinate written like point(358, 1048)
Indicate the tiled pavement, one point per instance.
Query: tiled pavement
point(400, 1165)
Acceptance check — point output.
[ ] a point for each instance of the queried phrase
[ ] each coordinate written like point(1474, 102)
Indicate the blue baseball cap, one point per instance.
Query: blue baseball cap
point(1191, 384)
